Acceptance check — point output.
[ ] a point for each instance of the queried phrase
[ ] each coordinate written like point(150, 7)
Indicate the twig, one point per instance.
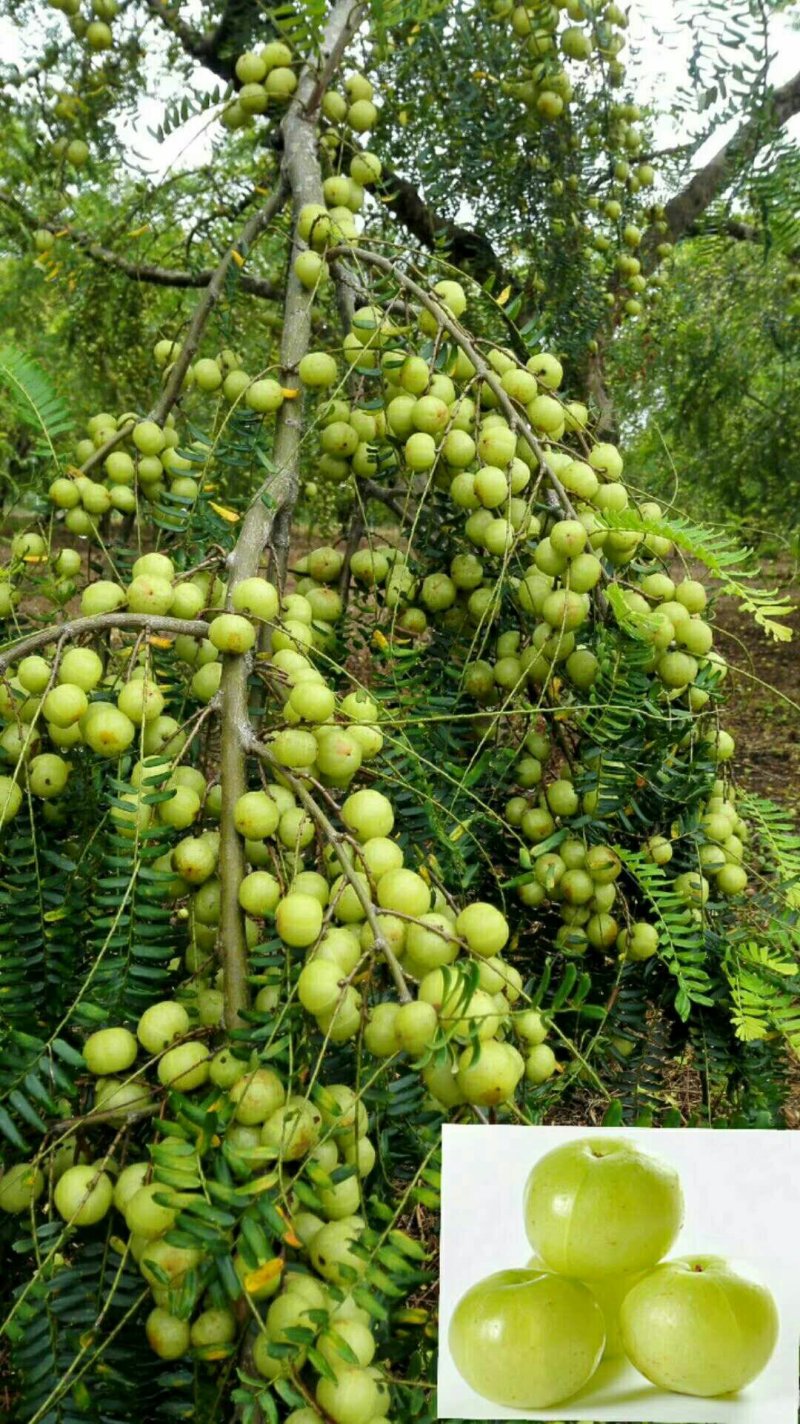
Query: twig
point(96, 623)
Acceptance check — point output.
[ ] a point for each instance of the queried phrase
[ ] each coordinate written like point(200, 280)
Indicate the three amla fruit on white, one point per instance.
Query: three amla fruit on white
point(601, 1214)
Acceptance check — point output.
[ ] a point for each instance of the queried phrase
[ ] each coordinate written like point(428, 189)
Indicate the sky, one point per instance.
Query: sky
point(662, 47)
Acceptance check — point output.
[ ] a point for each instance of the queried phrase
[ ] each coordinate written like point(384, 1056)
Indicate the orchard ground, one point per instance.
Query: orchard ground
point(763, 712)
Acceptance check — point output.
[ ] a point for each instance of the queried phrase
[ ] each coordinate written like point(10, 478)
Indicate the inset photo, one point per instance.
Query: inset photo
point(619, 1274)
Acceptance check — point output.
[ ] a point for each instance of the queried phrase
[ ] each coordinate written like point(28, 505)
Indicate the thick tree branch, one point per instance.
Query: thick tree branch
point(151, 273)
point(467, 249)
point(277, 496)
point(683, 211)
point(202, 47)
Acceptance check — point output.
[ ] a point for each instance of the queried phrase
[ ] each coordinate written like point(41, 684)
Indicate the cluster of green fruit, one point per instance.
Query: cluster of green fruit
point(139, 471)
point(601, 1214)
point(546, 87)
point(272, 1139)
point(95, 28)
point(28, 555)
point(543, 84)
point(95, 32)
point(266, 79)
point(80, 700)
point(472, 449)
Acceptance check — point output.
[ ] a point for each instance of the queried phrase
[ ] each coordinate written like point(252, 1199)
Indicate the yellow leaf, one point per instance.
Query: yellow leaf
point(402, 118)
point(411, 1317)
point(229, 514)
point(160, 642)
point(238, 258)
point(139, 231)
point(289, 392)
point(779, 631)
point(262, 1275)
point(379, 640)
point(263, 192)
point(290, 1239)
point(34, 558)
point(504, 296)
point(260, 1184)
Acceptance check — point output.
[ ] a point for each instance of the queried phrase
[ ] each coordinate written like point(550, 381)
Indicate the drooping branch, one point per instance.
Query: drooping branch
point(268, 514)
point(516, 419)
point(238, 252)
point(335, 839)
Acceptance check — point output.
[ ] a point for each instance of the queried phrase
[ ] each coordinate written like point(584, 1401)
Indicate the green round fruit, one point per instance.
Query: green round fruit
point(231, 633)
point(160, 1024)
point(484, 928)
point(20, 1186)
point(257, 1096)
point(527, 1339)
point(184, 1067)
point(697, 1326)
point(367, 814)
point(600, 1207)
point(298, 919)
point(83, 1195)
point(110, 1050)
point(168, 1336)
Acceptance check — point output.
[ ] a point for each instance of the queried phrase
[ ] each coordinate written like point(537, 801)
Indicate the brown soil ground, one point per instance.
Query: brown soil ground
point(763, 712)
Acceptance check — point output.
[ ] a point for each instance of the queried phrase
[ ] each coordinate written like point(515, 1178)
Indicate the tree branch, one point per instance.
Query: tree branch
point(683, 211)
point(238, 250)
point(151, 273)
point(301, 175)
point(97, 623)
point(335, 839)
point(470, 250)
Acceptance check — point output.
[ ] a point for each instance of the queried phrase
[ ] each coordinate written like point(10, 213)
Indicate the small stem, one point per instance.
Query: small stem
point(238, 249)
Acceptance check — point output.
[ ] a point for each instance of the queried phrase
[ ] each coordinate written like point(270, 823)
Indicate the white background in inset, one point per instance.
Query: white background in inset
point(740, 1191)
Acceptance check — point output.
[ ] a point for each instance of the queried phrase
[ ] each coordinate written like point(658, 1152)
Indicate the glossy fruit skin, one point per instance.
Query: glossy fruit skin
point(601, 1207)
point(527, 1339)
point(109, 1050)
point(696, 1326)
point(609, 1294)
point(83, 1195)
